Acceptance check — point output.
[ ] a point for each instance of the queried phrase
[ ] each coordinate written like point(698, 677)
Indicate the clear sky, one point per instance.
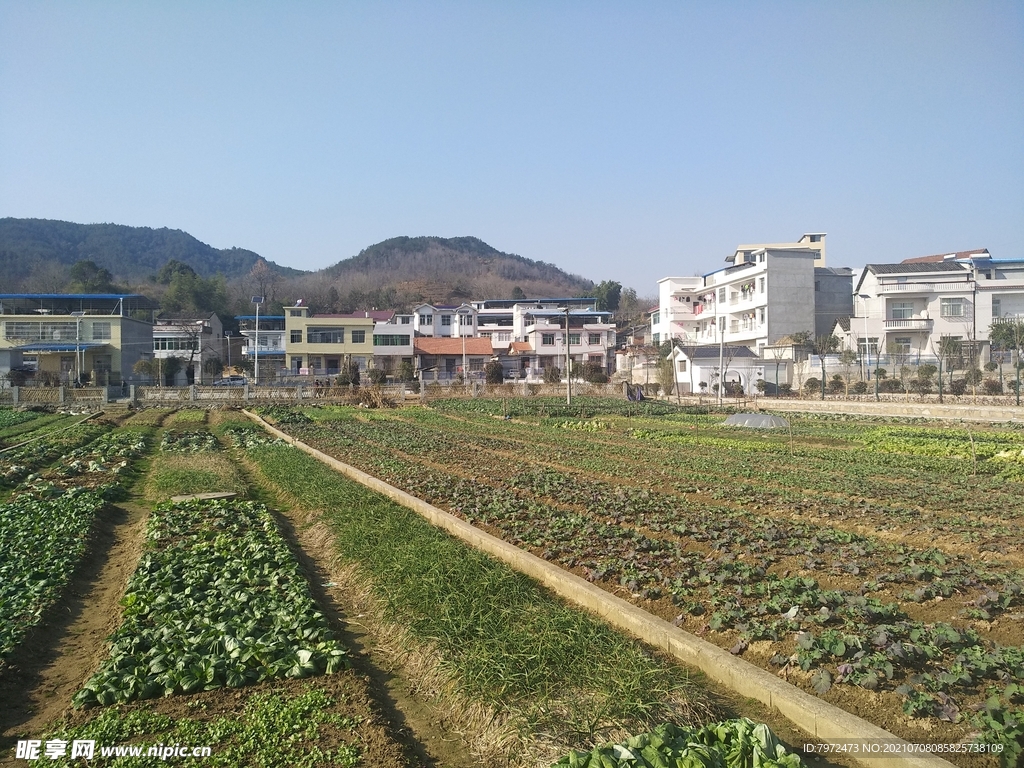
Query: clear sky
point(617, 140)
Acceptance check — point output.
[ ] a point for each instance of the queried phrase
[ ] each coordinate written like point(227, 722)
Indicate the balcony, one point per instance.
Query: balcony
point(890, 288)
point(913, 324)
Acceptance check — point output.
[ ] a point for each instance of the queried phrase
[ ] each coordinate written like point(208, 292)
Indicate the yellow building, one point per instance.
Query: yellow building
point(320, 344)
point(70, 337)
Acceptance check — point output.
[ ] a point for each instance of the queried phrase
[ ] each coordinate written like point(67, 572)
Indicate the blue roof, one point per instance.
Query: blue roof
point(59, 346)
point(262, 317)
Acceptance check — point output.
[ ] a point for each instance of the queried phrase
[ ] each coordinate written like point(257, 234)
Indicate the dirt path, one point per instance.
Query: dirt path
point(68, 645)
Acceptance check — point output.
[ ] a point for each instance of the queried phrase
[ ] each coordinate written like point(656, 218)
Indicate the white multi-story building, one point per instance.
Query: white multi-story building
point(196, 341)
point(441, 320)
point(908, 308)
point(768, 291)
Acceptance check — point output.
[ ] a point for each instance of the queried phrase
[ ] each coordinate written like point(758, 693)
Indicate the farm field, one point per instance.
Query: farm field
point(288, 720)
point(221, 639)
point(879, 565)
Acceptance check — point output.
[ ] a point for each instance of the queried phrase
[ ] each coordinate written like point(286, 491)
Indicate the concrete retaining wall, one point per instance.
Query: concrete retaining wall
point(965, 412)
point(819, 719)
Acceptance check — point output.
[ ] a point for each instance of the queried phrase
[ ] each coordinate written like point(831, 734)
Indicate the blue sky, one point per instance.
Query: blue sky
point(624, 141)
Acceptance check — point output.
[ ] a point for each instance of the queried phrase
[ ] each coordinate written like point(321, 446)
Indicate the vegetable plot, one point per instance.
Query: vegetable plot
point(734, 539)
point(217, 600)
point(729, 744)
point(41, 542)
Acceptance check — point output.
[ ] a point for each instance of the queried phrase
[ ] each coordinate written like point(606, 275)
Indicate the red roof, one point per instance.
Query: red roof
point(445, 345)
point(519, 346)
point(944, 256)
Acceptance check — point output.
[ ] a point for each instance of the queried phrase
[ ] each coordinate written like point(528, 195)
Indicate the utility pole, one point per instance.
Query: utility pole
point(568, 360)
point(257, 300)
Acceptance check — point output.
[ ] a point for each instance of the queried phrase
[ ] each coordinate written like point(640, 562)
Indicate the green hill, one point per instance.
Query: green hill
point(131, 254)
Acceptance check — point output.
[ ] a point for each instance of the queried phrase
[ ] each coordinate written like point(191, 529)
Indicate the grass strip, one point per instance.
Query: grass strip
point(176, 474)
point(186, 417)
point(509, 643)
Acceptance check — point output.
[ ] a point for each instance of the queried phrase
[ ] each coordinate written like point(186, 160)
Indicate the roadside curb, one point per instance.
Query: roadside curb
point(815, 717)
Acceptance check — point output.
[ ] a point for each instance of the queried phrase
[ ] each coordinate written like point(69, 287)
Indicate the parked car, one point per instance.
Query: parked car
point(231, 381)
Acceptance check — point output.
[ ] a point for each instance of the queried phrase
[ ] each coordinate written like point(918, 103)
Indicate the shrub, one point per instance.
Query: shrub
point(594, 373)
point(992, 387)
point(733, 389)
point(990, 366)
point(785, 390)
point(837, 386)
point(552, 375)
point(494, 373)
point(761, 385)
point(958, 387)
point(860, 388)
point(890, 386)
point(377, 376)
point(812, 385)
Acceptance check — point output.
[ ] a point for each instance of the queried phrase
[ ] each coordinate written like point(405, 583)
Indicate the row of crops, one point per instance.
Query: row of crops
point(734, 537)
point(58, 485)
point(218, 601)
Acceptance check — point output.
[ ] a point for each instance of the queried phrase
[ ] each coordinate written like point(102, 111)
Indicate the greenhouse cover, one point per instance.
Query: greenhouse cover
point(756, 420)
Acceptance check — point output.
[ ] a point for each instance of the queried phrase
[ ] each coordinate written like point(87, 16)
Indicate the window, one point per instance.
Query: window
point(721, 295)
point(815, 238)
point(681, 366)
point(316, 363)
point(760, 283)
point(358, 337)
point(574, 339)
point(760, 316)
point(760, 258)
point(294, 313)
point(655, 318)
point(446, 320)
point(426, 319)
point(594, 338)
point(901, 344)
point(657, 338)
point(325, 335)
point(902, 310)
point(996, 307)
point(390, 340)
point(868, 348)
point(817, 285)
point(101, 331)
point(406, 319)
point(296, 364)
point(102, 363)
point(465, 319)
point(296, 337)
point(952, 307)
point(547, 339)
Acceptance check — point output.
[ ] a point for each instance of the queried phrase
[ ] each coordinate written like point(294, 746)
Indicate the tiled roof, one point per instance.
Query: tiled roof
point(945, 256)
point(520, 346)
point(710, 351)
point(919, 266)
point(438, 345)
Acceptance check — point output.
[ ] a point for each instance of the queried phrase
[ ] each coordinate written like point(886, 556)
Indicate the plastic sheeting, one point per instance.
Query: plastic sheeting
point(756, 421)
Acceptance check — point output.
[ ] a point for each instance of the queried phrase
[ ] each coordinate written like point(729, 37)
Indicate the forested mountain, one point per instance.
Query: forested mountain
point(41, 248)
point(404, 270)
point(189, 276)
